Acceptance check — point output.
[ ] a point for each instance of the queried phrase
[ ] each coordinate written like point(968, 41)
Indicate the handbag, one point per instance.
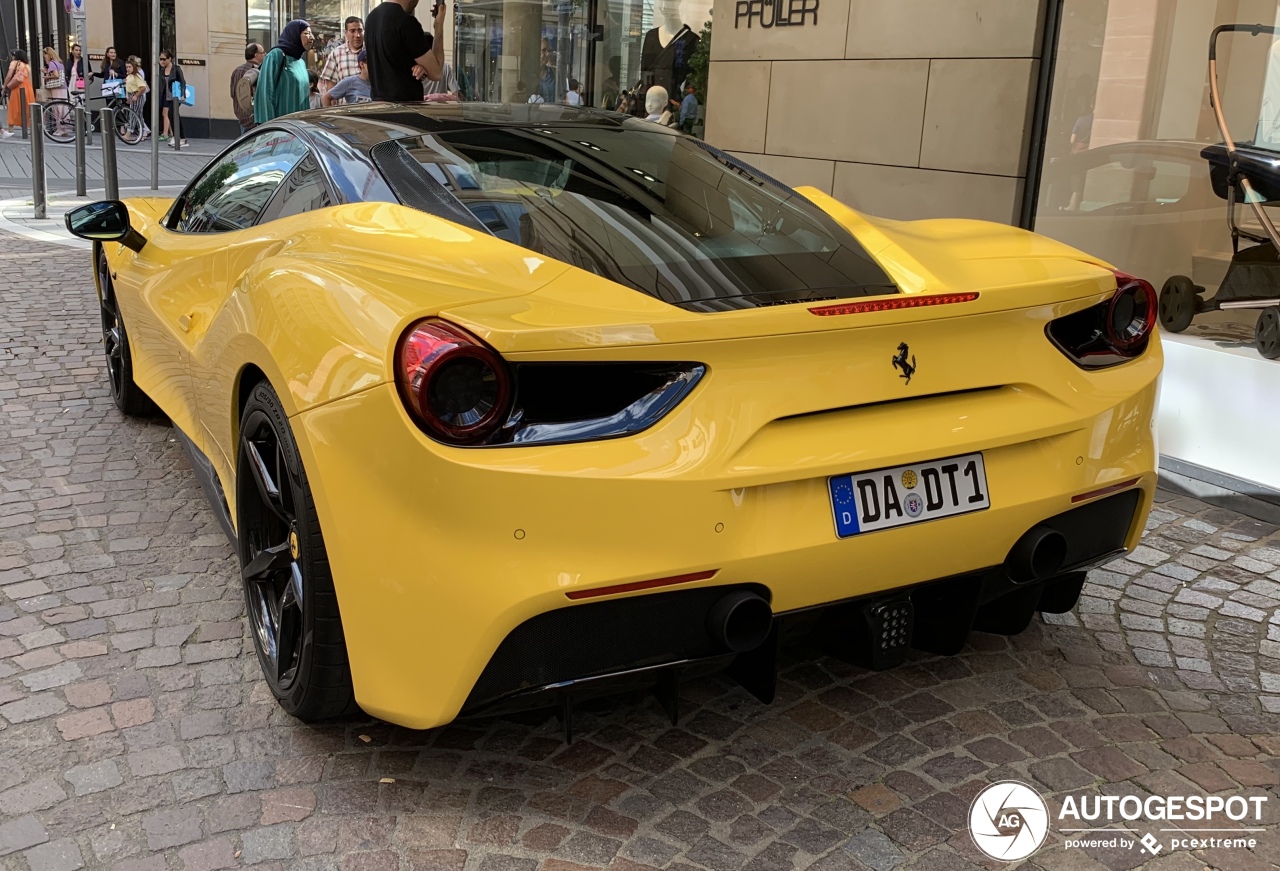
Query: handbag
point(185, 94)
point(54, 81)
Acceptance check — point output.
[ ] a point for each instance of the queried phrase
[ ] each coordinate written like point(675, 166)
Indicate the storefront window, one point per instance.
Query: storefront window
point(267, 17)
point(1124, 177)
point(517, 50)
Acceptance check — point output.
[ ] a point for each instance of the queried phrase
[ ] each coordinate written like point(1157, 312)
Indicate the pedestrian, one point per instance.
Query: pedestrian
point(352, 89)
point(244, 80)
point(343, 61)
point(283, 84)
point(135, 88)
point(112, 73)
point(547, 72)
point(170, 73)
point(313, 90)
point(574, 95)
point(443, 91)
point(55, 74)
point(396, 44)
point(17, 82)
point(76, 69)
point(689, 108)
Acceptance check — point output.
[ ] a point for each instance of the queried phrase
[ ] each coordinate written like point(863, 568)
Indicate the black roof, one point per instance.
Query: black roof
point(367, 124)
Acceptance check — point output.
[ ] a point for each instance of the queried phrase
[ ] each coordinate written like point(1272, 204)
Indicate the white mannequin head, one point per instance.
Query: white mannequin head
point(667, 14)
point(655, 100)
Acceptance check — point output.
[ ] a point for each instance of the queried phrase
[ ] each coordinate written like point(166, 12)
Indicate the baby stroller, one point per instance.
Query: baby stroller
point(1239, 172)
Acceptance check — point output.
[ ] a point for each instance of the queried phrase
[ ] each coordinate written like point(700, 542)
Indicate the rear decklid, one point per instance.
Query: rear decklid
point(1008, 270)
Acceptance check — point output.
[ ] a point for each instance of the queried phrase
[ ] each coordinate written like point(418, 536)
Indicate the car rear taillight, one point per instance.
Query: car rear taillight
point(1111, 332)
point(456, 387)
point(1131, 313)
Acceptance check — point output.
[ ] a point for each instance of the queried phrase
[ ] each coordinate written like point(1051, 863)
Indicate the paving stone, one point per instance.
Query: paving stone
point(59, 855)
point(270, 842)
point(873, 849)
point(20, 833)
point(94, 777)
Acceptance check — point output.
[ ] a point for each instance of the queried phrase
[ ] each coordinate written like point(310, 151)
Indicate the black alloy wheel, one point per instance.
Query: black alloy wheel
point(125, 393)
point(1266, 333)
point(1177, 303)
point(293, 609)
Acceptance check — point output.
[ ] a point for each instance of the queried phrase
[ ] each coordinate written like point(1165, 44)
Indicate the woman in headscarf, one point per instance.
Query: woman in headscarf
point(283, 83)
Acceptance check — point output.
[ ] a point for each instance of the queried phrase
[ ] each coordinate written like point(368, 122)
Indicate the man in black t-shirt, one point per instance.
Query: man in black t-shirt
point(395, 42)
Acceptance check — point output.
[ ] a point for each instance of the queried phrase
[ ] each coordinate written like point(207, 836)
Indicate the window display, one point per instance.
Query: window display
point(530, 50)
point(1136, 171)
point(1126, 173)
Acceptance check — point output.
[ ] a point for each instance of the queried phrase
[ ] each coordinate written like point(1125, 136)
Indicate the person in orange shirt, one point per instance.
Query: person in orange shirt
point(17, 81)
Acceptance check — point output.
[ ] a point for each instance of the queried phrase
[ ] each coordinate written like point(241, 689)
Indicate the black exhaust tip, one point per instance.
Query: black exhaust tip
point(1037, 556)
point(740, 621)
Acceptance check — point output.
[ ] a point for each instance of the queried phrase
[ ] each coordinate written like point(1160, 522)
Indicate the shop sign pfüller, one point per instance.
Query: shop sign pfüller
point(775, 13)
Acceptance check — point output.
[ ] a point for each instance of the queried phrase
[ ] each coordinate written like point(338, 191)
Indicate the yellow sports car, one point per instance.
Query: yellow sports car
point(508, 405)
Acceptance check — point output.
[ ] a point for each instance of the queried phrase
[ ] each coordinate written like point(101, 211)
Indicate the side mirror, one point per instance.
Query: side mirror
point(105, 221)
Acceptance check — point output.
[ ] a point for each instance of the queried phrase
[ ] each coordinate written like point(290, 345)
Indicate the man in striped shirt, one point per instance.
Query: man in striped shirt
point(344, 60)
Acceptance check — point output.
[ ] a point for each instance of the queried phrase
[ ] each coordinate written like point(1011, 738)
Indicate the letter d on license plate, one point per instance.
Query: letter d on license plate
point(885, 498)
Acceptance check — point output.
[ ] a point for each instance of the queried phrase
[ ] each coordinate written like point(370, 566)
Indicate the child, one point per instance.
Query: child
point(135, 88)
point(352, 89)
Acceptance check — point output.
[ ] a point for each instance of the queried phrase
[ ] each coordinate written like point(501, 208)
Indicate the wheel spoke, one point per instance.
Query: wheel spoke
point(292, 595)
point(268, 489)
point(269, 561)
point(265, 628)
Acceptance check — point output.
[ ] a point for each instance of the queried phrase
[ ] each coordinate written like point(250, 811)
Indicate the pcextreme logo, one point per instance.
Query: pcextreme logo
point(1009, 821)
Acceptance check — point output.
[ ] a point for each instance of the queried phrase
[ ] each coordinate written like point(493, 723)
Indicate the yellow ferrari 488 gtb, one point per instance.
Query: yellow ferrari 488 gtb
point(498, 402)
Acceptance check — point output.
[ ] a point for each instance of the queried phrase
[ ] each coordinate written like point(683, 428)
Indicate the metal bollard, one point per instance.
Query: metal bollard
point(37, 161)
point(110, 177)
point(82, 182)
point(22, 93)
point(177, 123)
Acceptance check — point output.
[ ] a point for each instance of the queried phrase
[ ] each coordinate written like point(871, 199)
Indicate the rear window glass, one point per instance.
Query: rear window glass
point(659, 213)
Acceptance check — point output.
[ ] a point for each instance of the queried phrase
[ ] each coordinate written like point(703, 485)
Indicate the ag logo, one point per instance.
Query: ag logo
point(1008, 821)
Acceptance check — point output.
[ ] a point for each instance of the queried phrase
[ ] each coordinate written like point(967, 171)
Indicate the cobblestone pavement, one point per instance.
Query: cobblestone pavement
point(135, 732)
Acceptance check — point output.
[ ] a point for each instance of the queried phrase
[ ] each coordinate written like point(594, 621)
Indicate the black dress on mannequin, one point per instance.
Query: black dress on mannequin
point(667, 65)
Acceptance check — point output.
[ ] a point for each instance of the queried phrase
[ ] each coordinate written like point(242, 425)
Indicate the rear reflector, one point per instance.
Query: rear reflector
point(1105, 491)
point(641, 585)
point(892, 304)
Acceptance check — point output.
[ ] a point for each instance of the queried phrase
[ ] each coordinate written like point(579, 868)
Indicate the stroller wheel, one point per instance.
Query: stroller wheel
point(1177, 303)
point(1266, 335)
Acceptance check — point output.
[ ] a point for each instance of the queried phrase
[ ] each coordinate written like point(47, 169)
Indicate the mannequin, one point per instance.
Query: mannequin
point(655, 103)
point(667, 48)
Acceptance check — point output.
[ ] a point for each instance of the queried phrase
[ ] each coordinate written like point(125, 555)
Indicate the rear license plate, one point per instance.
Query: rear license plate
point(885, 498)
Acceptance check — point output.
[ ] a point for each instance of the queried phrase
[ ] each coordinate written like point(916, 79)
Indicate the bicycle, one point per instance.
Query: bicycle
point(60, 119)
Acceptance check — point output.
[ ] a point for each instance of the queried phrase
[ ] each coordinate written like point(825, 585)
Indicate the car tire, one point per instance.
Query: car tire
point(1266, 333)
point(125, 392)
point(292, 605)
point(1177, 303)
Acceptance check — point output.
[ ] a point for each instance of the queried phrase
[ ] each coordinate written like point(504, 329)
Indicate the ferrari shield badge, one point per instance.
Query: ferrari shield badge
point(904, 362)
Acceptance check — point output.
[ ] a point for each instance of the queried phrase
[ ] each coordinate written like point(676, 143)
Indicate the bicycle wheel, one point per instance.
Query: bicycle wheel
point(60, 121)
point(129, 125)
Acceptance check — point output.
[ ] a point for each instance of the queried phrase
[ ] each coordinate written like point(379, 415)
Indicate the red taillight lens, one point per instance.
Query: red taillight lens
point(1111, 332)
point(1131, 314)
point(456, 387)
